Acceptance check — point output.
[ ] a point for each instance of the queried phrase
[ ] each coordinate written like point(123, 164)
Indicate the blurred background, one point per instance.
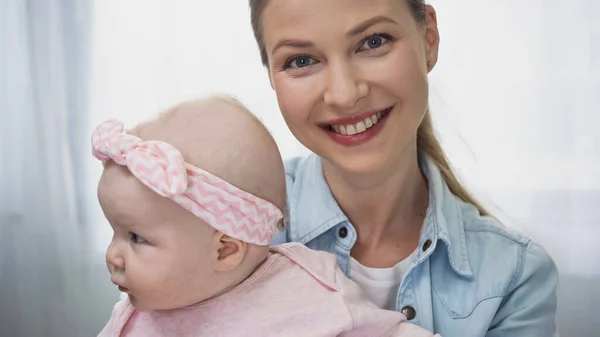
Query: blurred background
point(515, 97)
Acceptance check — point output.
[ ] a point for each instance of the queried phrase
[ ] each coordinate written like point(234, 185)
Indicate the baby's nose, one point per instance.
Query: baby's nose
point(114, 259)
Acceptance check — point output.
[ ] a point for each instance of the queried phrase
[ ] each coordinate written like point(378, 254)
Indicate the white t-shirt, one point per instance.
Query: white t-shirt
point(380, 285)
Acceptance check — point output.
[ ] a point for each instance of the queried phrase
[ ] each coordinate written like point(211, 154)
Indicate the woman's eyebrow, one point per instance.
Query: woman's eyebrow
point(293, 43)
point(368, 23)
point(354, 31)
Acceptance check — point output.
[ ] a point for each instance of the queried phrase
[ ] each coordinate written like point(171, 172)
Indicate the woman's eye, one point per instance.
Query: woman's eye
point(375, 41)
point(299, 62)
point(136, 238)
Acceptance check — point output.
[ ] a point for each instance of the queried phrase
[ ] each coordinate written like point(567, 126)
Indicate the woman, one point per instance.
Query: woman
point(351, 82)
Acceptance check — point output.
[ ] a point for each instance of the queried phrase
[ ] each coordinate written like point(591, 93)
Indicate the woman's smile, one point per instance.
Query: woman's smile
point(358, 129)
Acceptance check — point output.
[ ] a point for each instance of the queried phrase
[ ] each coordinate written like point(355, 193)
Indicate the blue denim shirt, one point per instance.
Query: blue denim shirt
point(470, 276)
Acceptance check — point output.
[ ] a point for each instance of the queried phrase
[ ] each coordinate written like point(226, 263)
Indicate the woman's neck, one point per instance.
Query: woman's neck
point(385, 208)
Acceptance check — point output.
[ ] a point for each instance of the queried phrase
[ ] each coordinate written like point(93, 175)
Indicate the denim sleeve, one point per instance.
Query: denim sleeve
point(529, 308)
point(279, 237)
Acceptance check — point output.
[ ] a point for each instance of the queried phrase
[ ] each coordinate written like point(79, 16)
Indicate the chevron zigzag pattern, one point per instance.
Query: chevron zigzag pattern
point(161, 167)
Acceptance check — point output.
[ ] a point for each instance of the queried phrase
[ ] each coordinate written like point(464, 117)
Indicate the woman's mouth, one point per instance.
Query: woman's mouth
point(359, 127)
point(357, 130)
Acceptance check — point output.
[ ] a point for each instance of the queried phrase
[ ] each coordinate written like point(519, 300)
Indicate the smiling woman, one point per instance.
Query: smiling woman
point(351, 79)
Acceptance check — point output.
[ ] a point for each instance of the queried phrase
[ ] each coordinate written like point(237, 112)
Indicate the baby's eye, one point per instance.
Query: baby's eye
point(136, 238)
point(299, 62)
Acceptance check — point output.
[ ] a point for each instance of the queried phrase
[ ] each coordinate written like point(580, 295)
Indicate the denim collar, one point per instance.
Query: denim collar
point(313, 206)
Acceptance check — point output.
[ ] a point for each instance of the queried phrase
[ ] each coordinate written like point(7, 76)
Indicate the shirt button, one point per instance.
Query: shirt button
point(409, 312)
point(426, 245)
point(343, 232)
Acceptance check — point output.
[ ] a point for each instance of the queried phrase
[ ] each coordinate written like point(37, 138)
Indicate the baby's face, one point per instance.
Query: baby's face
point(160, 254)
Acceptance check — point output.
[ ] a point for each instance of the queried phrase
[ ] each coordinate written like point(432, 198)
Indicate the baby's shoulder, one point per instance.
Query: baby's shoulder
point(120, 315)
point(319, 265)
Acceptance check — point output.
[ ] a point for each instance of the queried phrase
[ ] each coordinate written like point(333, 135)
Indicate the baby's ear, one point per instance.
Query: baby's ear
point(230, 251)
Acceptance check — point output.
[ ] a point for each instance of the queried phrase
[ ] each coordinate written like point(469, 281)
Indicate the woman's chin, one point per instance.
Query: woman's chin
point(369, 165)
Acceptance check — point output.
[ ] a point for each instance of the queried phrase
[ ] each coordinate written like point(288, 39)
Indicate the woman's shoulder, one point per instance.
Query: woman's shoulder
point(311, 208)
point(506, 264)
point(511, 278)
point(293, 169)
point(305, 183)
point(487, 238)
point(295, 166)
point(488, 234)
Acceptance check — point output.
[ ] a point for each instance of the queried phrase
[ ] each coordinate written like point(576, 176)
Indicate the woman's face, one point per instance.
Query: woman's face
point(351, 77)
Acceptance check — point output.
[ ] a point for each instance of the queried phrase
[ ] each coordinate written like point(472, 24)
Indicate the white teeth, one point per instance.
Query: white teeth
point(362, 126)
point(351, 130)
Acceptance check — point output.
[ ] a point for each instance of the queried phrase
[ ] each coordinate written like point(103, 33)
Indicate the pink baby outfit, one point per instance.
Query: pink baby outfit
point(296, 292)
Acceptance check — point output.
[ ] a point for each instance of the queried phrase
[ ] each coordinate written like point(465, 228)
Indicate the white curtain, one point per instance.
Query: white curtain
point(43, 78)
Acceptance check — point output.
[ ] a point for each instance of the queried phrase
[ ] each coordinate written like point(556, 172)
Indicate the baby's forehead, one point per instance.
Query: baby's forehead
point(121, 193)
point(129, 204)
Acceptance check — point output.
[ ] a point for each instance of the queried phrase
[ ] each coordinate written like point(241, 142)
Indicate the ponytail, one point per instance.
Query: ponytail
point(428, 144)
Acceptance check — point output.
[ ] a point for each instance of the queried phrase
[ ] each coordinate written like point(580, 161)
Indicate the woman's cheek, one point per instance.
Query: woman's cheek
point(406, 78)
point(295, 97)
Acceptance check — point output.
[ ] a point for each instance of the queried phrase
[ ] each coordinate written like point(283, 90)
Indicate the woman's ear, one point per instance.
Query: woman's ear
point(230, 252)
point(432, 37)
point(271, 78)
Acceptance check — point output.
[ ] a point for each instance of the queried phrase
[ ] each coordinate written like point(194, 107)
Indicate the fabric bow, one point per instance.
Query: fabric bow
point(161, 167)
point(156, 164)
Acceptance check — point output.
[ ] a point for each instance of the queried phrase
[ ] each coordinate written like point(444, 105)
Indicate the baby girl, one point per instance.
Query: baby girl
point(194, 197)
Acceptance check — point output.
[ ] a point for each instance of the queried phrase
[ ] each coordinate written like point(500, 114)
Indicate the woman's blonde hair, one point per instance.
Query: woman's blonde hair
point(427, 141)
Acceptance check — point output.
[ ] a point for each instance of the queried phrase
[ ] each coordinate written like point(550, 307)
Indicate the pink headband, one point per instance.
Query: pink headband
point(161, 168)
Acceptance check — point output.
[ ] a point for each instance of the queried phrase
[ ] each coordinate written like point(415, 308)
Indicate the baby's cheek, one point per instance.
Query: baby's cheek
point(153, 277)
point(191, 269)
point(195, 272)
point(186, 288)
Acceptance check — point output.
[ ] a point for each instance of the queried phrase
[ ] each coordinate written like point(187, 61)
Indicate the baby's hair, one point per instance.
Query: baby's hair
point(228, 99)
point(234, 101)
point(231, 99)
point(181, 111)
point(237, 103)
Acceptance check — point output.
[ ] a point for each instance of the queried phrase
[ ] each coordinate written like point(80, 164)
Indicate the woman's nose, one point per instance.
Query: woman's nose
point(344, 85)
point(114, 258)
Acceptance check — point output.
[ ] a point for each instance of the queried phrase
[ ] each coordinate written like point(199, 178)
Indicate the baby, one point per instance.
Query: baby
point(194, 197)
